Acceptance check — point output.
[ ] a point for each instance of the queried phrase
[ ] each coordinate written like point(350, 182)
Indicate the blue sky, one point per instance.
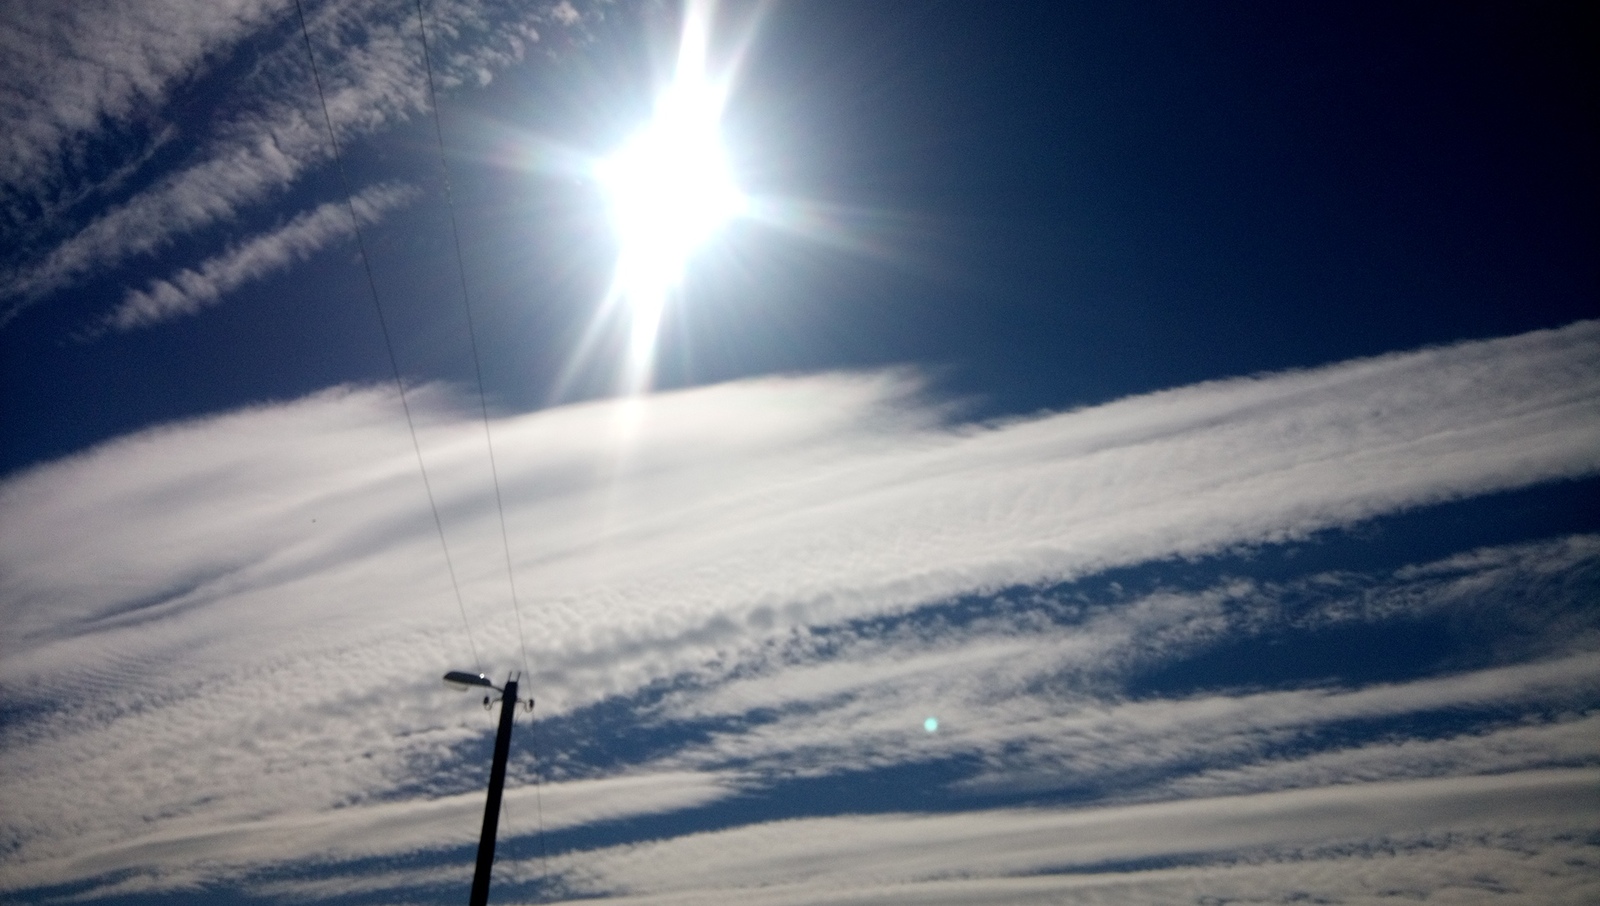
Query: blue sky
point(1191, 409)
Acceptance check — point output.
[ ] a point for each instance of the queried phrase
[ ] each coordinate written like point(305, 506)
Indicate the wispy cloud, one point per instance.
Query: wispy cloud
point(836, 857)
point(73, 73)
point(273, 131)
point(237, 592)
point(1528, 745)
point(1028, 707)
point(199, 848)
point(795, 479)
point(1471, 867)
point(191, 290)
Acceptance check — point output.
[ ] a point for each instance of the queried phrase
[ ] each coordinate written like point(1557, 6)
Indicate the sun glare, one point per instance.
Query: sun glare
point(669, 189)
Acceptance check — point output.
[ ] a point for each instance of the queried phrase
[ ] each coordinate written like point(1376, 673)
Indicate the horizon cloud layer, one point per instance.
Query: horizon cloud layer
point(247, 585)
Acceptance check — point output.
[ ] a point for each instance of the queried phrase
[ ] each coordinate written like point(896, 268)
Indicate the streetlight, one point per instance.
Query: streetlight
point(497, 773)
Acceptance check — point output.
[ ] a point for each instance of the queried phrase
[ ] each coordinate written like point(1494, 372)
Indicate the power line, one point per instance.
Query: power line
point(538, 800)
point(472, 333)
point(383, 325)
point(483, 406)
point(538, 794)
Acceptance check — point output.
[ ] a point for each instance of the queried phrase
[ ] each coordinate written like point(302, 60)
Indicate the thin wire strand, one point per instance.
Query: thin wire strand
point(488, 435)
point(504, 866)
point(472, 334)
point(383, 325)
point(538, 796)
point(538, 805)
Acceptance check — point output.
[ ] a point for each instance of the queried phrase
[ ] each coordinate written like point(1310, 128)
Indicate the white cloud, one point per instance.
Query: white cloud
point(1460, 869)
point(832, 857)
point(71, 70)
point(1040, 704)
point(192, 290)
point(255, 612)
point(198, 848)
point(1095, 740)
point(564, 13)
point(1517, 748)
point(1001, 656)
point(370, 63)
point(1003, 702)
point(774, 501)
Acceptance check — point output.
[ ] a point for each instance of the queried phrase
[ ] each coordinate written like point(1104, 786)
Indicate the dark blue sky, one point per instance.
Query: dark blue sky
point(1070, 202)
point(1192, 406)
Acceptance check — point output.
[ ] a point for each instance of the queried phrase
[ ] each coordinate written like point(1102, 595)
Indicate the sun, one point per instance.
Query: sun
point(668, 189)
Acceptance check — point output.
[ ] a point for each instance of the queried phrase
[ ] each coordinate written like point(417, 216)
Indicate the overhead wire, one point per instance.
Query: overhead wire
point(538, 795)
point(488, 435)
point(472, 334)
point(383, 326)
point(538, 805)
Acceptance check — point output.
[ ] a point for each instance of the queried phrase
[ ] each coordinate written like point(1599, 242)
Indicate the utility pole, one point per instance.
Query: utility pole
point(497, 783)
point(497, 774)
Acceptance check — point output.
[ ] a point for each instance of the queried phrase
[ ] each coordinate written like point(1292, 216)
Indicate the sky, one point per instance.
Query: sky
point(1011, 453)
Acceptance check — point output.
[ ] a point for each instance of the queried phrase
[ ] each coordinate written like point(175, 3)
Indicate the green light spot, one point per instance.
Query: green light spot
point(931, 724)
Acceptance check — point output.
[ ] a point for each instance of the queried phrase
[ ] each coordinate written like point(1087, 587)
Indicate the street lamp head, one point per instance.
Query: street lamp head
point(463, 681)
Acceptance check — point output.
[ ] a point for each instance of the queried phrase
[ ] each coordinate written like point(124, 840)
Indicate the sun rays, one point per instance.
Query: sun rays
point(668, 189)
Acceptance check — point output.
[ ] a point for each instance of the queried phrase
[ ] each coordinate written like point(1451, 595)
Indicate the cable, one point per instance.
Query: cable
point(538, 796)
point(488, 435)
point(538, 800)
point(383, 325)
point(499, 865)
point(472, 333)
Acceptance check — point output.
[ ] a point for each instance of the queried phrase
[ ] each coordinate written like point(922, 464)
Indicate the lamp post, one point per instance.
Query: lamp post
point(497, 774)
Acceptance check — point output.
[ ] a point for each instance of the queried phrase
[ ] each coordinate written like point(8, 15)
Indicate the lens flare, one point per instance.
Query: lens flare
point(669, 189)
